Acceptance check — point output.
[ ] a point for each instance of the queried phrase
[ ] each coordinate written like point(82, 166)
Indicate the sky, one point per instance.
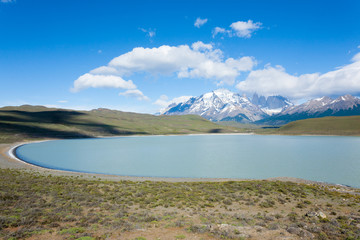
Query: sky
point(139, 56)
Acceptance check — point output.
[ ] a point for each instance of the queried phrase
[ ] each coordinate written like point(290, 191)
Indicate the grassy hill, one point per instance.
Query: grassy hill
point(349, 126)
point(38, 122)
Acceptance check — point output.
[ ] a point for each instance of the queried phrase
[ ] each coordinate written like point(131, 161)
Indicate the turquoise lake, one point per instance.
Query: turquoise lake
point(320, 158)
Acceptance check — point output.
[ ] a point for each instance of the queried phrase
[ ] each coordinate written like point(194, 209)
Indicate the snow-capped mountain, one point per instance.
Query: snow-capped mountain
point(346, 105)
point(224, 105)
point(272, 104)
point(319, 105)
point(219, 105)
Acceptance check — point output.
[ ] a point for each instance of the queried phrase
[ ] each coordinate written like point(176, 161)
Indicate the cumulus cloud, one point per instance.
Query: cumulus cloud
point(245, 29)
point(199, 22)
point(275, 80)
point(135, 93)
point(89, 80)
point(199, 60)
point(239, 29)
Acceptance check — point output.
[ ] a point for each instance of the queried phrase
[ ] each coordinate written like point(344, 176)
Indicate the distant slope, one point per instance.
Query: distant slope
point(349, 126)
point(38, 122)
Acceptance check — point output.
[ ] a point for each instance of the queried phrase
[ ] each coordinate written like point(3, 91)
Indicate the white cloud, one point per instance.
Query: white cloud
point(275, 80)
point(245, 29)
point(200, 46)
point(239, 29)
point(136, 93)
point(198, 61)
point(199, 22)
point(150, 33)
point(101, 81)
point(62, 101)
point(218, 30)
point(356, 58)
point(7, 1)
point(164, 101)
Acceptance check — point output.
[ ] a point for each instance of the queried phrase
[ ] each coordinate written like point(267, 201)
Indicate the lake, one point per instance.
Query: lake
point(330, 159)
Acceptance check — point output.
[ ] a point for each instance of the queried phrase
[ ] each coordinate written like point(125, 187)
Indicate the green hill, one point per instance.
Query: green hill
point(349, 126)
point(38, 122)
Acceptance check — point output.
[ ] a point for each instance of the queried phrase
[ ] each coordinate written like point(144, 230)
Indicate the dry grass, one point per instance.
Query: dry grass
point(36, 206)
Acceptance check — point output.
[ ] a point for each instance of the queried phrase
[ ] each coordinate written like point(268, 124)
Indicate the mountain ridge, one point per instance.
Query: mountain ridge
point(224, 105)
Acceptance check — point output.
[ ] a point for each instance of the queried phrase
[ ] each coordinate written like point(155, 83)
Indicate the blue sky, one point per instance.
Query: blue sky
point(152, 51)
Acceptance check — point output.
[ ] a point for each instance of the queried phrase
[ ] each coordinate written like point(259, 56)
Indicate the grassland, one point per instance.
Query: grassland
point(345, 126)
point(38, 206)
point(37, 122)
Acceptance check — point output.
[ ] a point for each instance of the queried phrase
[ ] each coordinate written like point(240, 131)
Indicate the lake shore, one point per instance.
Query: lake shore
point(170, 208)
point(8, 159)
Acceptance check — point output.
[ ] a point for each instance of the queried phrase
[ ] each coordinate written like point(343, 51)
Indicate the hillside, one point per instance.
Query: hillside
point(349, 126)
point(38, 122)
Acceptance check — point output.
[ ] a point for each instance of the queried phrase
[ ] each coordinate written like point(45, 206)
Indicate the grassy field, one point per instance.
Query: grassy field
point(37, 122)
point(39, 206)
point(347, 126)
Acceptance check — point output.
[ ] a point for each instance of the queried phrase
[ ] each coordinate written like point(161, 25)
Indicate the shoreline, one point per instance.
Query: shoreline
point(8, 159)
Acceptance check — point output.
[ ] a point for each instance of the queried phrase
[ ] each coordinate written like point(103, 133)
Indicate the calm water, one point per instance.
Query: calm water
point(329, 159)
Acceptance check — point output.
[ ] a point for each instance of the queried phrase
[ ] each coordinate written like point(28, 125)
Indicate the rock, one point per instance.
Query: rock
point(316, 214)
point(321, 215)
point(223, 226)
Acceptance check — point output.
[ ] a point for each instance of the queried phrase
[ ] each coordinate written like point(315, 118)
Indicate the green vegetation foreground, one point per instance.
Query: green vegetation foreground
point(41, 206)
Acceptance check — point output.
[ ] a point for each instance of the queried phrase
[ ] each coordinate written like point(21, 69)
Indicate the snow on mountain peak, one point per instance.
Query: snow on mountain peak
point(224, 105)
point(218, 104)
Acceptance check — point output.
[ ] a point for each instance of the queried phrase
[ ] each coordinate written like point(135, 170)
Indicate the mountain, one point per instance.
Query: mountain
point(220, 105)
point(346, 105)
point(224, 105)
point(272, 104)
